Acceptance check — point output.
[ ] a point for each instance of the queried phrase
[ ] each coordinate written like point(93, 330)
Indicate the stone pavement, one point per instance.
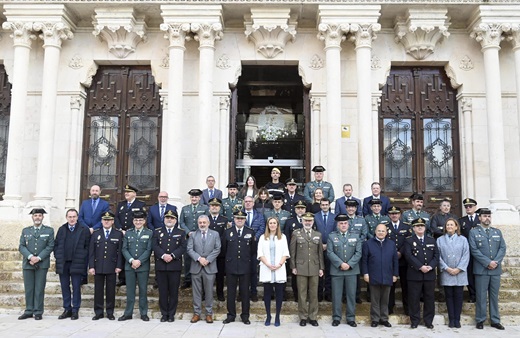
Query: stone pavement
point(50, 326)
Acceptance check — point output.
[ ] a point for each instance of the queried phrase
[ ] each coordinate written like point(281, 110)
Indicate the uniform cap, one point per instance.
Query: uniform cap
point(308, 216)
point(130, 188)
point(239, 214)
point(419, 222)
point(351, 203)
point(172, 214)
point(108, 215)
point(195, 192)
point(37, 211)
point(375, 201)
point(417, 197)
point(484, 211)
point(318, 169)
point(341, 218)
point(139, 214)
point(300, 204)
point(215, 201)
point(469, 201)
point(394, 210)
point(290, 181)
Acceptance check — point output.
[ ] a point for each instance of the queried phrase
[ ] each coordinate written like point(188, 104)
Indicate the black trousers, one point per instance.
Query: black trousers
point(242, 281)
point(221, 267)
point(104, 282)
point(169, 283)
point(324, 284)
point(404, 291)
point(454, 296)
point(426, 288)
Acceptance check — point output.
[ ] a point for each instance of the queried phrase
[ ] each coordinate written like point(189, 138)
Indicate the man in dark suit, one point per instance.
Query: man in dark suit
point(71, 252)
point(169, 246)
point(203, 249)
point(124, 218)
point(291, 196)
point(36, 245)
point(376, 194)
point(105, 261)
point(256, 221)
point(158, 210)
point(218, 223)
point(211, 192)
point(239, 246)
point(91, 210)
point(467, 223)
point(324, 222)
point(422, 256)
point(340, 208)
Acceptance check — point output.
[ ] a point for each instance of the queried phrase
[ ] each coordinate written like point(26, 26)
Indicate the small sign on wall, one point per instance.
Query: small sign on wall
point(345, 131)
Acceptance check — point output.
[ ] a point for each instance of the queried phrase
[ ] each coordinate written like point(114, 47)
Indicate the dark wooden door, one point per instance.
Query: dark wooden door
point(5, 110)
point(419, 138)
point(122, 134)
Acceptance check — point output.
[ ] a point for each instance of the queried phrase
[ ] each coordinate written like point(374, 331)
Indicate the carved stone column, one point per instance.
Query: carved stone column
point(223, 174)
point(76, 116)
point(206, 34)
point(22, 35)
point(467, 144)
point(172, 131)
point(376, 101)
point(52, 34)
point(489, 35)
point(515, 41)
point(362, 36)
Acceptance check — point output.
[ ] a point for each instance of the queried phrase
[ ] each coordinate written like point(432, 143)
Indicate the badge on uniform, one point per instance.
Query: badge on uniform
point(114, 239)
point(99, 237)
point(430, 245)
point(162, 234)
point(352, 240)
point(247, 236)
point(231, 235)
point(414, 243)
point(145, 236)
point(176, 236)
point(47, 235)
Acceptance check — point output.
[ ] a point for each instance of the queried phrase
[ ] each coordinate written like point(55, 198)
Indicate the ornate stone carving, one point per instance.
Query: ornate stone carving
point(270, 30)
point(121, 29)
point(315, 104)
point(75, 102)
point(52, 33)
point(514, 37)
point(332, 34)
point(450, 72)
point(165, 63)
point(421, 30)
point(466, 104)
point(224, 103)
point(207, 33)
point(22, 32)
point(316, 62)
point(92, 70)
point(301, 72)
point(223, 62)
point(375, 103)
point(466, 63)
point(363, 34)
point(490, 34)
point(176, 33)
point(238, 72)
point(76, 62)
point(375, 63)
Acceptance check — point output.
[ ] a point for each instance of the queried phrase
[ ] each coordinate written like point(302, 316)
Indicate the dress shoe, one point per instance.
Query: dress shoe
point(111, 317)
point(155, 285)
point(320, 298)
point(171, 319)
point(268, 320)
point(254, 298)
point(498, 326)
point(39, 317)
point(195, 318)
point(352, 323)
point(228, 320)
point(457, 324)
point(472, 300)
point(413, 326)
point(209, 319)
point(246, 321)
point(84, 281)
point(65, 314)
point(25, 316)
point(359, 301)
point(277, 321)
point(186, 285)
point(221, 298)
point(335, 322)
point(374, 324)
point(145, 318)
point(429, 326)
point(164, 319)
point(303, 322)
point(451, 324)
point(121, 283)
point(385, 323)
point(313, 322)
point(328, 298)
point(123, 318)
point(74, 316)
point(97, 317)
point(480, 325)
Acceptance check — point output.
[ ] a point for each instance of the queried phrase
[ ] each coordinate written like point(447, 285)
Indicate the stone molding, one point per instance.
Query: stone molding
point(52, 33)
point(363, 34)
point(514, 36)
point(332, 34)
point(176, 33)
point(224, 102)
point(270, 30)
point(207, 33)
point(22, 33)
point(421, 30)
point(489, 35)
point(121, 29)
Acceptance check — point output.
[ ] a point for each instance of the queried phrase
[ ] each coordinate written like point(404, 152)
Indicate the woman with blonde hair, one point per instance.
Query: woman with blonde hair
point(317, 196)
point(273, 252)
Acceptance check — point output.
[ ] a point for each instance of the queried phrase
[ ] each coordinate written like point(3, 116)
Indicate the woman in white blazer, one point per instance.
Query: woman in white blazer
point(273, 251)
point(453, 263)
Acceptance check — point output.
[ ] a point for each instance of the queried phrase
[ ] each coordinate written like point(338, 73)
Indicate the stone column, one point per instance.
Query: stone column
point(333, 35)
point(223, 158)
point(515, 40)
point(172, 130)
point(362, 36)
point(489, 37)
point(467, 144)
point(22, 34)
point(375, 140)
point(206, 34)
point(74, 151)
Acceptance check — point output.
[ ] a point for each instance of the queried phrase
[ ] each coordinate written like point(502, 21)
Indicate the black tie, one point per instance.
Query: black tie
point(169, 232)
point(471, 219)
point(106, 234)
point(239, 232)
point(422, 241)
point(395, 226)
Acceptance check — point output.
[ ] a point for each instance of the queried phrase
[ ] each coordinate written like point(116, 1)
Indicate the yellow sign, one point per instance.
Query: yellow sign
point(345, 131)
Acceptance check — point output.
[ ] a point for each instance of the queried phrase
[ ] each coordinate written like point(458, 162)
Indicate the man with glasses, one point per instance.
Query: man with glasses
point(211, 192)
point(158, 210)
point(467, 223)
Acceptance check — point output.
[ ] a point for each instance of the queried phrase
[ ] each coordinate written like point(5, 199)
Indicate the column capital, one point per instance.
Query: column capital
point(332, 34)
point(22, 32)
point(363, 34)
point(514, 36)
point(489, 35)
point(52, 33)
point(207, 33)
point(176, 33)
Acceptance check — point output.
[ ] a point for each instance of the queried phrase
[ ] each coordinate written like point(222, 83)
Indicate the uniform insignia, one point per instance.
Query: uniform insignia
point(145, 236)
point(430, 245)
point(247, 236)
point(352, 240)
point(495, 236)
point(176, 236)
point(162, 235)
point(389, 231)
point(99, 237)
point(47, 235)
point(336, 239)
point(135, 209)
point(114, 239)
point(414, 243)
point(122, 207)
point(231, 235)
point(315, 238)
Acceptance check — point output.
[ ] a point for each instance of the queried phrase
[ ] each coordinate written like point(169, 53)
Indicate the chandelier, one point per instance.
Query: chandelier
point(271, 124)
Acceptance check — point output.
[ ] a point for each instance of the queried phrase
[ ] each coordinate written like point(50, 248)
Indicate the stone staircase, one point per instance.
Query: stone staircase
point(12, 298)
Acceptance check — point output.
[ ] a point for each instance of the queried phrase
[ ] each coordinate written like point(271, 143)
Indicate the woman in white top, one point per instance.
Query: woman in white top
point(273, 251)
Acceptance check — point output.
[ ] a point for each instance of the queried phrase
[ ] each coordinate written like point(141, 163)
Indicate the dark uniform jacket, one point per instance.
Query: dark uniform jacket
point(288, 202)
point(165, 244)
point(79, 248)
point(399, 237)
point(466, 225)
point(37, 243)
point(105, 254)
point(290, 225)
point(418, 254)
point(124, 216)
point(137, 247)
point(239, 251)
point(219, 225)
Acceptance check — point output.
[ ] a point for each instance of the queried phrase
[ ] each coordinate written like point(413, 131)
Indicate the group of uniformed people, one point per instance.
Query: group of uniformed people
point(330, 253)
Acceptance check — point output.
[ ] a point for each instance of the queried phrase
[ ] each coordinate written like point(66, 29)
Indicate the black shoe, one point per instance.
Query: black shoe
point(39, 317)
point(429, 326)
point(246, 321)
point(303, 322)
point(97, 317)
point(385, 323)
point(359, 301)
point(313, 322)
point(413, 326)
point(328, 298)
point(123, 318)
point(25, 316)
point(320, 298)
point(84, 281)
point(352, 323)
point(457, 324)
point(228, 320)
point(186, 285)
point(121, 283)
point(374, 324)
point(335, 322)
point(74, 316)
point(171, 319)
point(480, 325)
point(145, 318)
point(65, 314)
point(498, 326)
point(164, 319)
point(111, 317)
point(221, 298)
point(254, 298)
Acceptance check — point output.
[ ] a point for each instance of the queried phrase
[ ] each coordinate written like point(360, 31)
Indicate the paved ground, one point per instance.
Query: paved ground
point(50, 326)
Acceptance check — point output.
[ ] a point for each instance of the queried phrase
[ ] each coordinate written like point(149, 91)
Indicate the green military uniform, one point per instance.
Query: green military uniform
point(373, 221)
point(358, 226)
point(281, 215)
point(227, 206)
point(137, 246)
point(39, 242)
point(409, 215)
point(189, 216)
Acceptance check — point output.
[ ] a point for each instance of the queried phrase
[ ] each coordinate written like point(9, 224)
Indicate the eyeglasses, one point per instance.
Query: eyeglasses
point(163, 196)
point(468, 206)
